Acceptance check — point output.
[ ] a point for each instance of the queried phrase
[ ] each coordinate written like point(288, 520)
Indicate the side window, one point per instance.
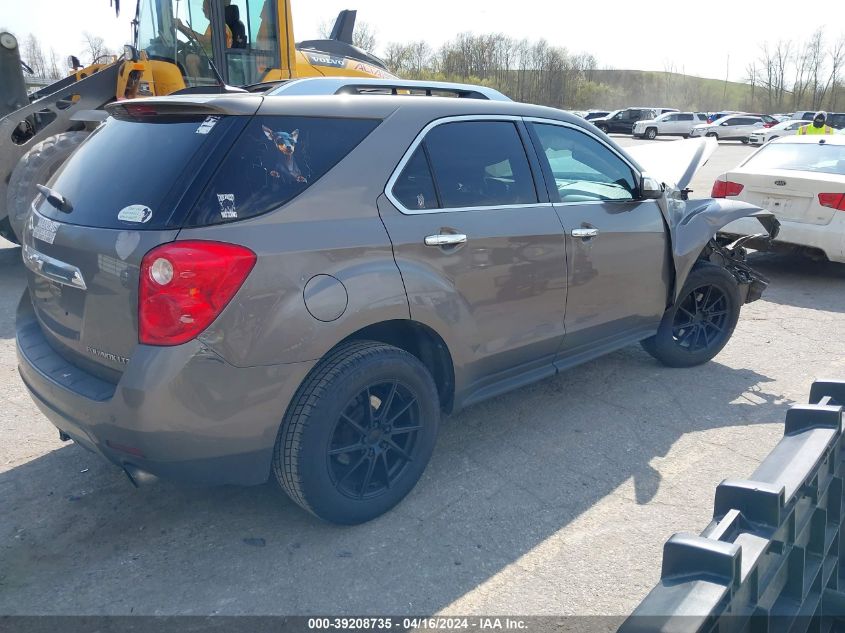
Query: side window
point(479, 164)
point(583, 168)
point(671, 117)
point(274, 160)
point(415, 186)
point(685, 117)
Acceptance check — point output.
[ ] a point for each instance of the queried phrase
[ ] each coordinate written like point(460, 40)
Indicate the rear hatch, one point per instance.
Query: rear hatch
point(130, 186)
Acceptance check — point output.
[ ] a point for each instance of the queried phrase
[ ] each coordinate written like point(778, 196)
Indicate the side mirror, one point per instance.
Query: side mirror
point(650, 189)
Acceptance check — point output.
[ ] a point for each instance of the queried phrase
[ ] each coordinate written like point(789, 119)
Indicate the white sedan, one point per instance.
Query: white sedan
point(801, 179)
point(785, 128)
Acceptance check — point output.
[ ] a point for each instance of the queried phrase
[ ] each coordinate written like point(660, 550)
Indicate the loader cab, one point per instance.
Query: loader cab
point(209, 40)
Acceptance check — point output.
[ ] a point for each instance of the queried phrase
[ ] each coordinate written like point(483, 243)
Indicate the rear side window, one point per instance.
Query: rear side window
point(415, 186)
point(130, 174)
point(685, 117)
point(479, 164)
point(275, 159)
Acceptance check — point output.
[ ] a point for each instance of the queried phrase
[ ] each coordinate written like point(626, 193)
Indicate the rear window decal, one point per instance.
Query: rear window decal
point(45, 230)
point(135, 213)
point(227, 205)
point(208, 124)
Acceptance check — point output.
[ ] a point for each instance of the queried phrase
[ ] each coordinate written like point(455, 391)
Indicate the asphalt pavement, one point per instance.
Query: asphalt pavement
point(554, 499)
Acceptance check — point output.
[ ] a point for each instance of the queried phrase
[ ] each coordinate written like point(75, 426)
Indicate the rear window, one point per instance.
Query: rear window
point(275, 159)
point(823, 158)
point(131, 174)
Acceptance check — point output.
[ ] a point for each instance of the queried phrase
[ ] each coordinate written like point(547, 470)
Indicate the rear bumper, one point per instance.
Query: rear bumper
point(828, 238)
point(177, 412)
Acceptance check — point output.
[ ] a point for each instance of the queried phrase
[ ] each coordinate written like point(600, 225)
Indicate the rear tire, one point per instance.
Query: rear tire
point(348, 450)
point(36, 167)
point(651, 133)
point(701, 321)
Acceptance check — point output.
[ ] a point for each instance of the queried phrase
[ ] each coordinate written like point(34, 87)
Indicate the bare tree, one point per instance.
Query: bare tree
point(364, 37)
point(33, 55)
point(837, 59)
point(94, 48)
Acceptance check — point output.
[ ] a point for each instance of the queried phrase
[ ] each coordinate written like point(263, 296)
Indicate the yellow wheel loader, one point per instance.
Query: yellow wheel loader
point(178, 46)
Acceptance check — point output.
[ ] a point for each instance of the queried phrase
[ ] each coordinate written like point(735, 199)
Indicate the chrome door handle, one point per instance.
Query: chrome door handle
point(445, 239)
point(585, 233)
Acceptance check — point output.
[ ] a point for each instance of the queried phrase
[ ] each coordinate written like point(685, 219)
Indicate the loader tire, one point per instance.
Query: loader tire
point(36, 167)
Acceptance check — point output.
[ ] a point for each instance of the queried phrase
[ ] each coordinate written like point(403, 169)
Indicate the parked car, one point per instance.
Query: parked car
point(623, 120)
point(764, 135)
point(801, 179)
point(720, 115)
point(734, 127)
point(596, 114)
point(668, 124)
point(299, 287)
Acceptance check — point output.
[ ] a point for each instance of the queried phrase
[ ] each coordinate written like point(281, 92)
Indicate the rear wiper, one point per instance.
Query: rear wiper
point(55, 199)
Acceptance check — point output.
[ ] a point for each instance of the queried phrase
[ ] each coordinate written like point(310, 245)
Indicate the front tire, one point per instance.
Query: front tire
point(651, 133)
point(713, 135)
point(36, 167)
point(701, 321)
point(358, 434)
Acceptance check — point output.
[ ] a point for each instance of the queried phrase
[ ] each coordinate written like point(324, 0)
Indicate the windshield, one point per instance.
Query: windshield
point(823, 158)
point(177, 31)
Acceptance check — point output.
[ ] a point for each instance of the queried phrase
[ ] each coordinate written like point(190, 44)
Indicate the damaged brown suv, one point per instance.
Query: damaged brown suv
point(299, 287)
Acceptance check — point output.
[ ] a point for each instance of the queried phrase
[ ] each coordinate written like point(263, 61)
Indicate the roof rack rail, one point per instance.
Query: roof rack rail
point(309, 86)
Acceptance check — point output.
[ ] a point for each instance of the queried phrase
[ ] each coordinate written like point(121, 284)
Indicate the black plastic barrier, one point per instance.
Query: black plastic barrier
point(771, 559)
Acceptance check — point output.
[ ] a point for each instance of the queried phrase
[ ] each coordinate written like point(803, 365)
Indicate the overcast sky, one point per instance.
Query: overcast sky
point(695, 37)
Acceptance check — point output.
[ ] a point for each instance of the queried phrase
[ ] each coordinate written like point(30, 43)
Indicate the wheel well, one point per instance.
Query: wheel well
point(424, 343)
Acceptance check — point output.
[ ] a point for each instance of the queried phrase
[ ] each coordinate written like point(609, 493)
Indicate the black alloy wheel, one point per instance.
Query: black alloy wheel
point(374, 440)
point(358, 433)
point(701, 319)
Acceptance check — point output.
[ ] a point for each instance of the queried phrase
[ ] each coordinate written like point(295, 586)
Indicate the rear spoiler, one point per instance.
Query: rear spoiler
point(138, 109)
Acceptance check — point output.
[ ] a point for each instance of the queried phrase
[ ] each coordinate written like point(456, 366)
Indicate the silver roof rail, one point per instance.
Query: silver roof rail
point(310, 86)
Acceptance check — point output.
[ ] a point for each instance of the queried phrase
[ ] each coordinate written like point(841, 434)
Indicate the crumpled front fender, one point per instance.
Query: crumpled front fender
point(693, 223)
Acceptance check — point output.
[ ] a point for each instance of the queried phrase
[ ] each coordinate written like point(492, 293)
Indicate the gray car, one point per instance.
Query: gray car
point(223, 289)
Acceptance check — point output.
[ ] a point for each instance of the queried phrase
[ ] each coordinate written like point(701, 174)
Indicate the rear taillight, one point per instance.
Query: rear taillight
point(725, 189)
point(768, 124)
point(833, 200)
point(184, 286)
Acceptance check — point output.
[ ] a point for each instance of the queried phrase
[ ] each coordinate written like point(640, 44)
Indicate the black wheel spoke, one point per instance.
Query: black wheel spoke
point(352, 469)
point(354, 424)
point(402, 411)
point(404, 429)
point(389, 402)
point(347, 449)
point(367, 477)
point(387, 481)
point(713, 325)
point(394, 446)
point(691, 315)
point(718, 314)
point(705, 300)
point(370, 408)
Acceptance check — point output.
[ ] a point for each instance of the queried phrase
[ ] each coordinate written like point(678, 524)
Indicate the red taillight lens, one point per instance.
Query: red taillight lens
point(725, 189)
point(184, 286)
point(833, 200)
point(769, 124)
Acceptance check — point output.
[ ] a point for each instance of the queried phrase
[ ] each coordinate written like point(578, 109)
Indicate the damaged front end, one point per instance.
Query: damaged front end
point(694, 224)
